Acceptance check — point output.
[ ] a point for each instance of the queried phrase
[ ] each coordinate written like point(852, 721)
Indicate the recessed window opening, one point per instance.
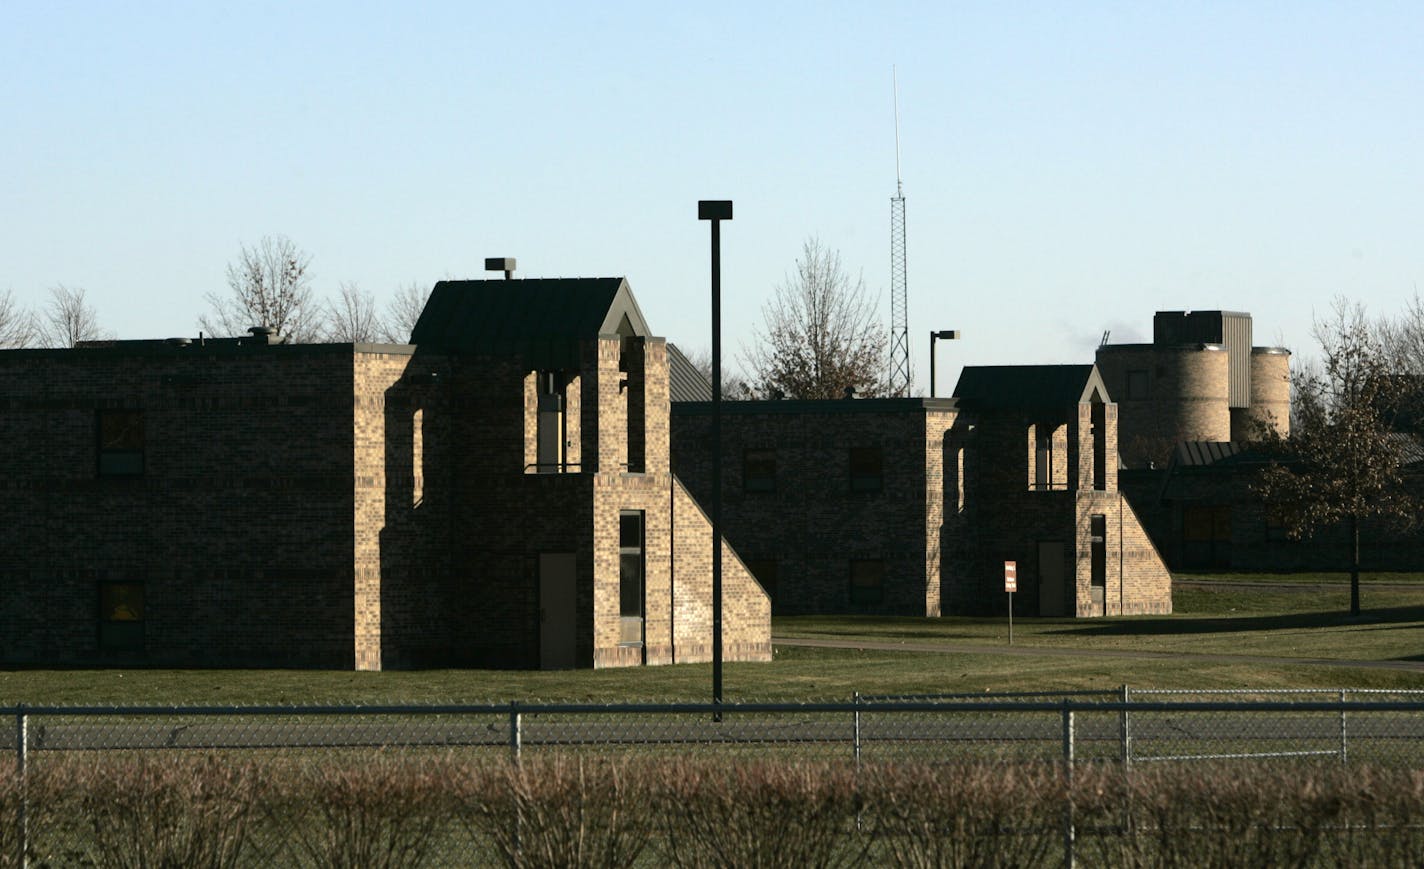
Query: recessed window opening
point(867, 581)
point(759, 470)
point(631, 569)
point(120, 442)
point(867, 469)
point(552, 433)
point(121, 616)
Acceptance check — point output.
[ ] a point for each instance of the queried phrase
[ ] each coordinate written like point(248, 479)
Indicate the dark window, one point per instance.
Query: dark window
point(867, 469)
point(1043, 459)
point(121, 616)
point(1276, 527)
point(759, 470)
point(867, 581)
point(1137, 385)
point(764, 569)
point(1098, 540)
point(1206, 535)
point(120, 443)
point(630, 576)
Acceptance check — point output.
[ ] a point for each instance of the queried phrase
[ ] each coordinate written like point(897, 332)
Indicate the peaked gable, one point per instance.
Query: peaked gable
point(1029, 386)
point(542, 320)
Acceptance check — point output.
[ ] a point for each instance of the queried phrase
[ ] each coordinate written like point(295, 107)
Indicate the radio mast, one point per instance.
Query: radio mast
point(899, 315)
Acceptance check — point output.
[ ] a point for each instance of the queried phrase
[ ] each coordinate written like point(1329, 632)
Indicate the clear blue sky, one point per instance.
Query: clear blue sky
point(1069, 167)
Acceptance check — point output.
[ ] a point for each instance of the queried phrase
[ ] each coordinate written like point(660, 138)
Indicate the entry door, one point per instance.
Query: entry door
point(1050, 579)
point(558, 622)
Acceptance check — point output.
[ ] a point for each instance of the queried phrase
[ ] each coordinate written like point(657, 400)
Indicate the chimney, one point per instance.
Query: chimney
point(500, 264)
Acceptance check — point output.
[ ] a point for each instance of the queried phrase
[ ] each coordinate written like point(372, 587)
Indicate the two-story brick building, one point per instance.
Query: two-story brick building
point(497, 493)
point(912, 506)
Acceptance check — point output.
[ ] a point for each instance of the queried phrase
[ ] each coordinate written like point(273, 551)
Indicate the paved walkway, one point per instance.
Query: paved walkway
point(1063, 652)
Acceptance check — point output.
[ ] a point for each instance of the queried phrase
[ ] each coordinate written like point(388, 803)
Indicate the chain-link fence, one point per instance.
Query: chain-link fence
point(1121, 729)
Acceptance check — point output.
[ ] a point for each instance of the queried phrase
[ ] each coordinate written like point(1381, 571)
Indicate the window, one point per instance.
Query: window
point(1043, 459)
point(630, 577)
point(1098, 549)
point(1137, 388)
point(1276, 527)
point(550, 426)
point(866, 469)
point(759, 470)
point(121, 616)
point(867, 581)
point(120, 443)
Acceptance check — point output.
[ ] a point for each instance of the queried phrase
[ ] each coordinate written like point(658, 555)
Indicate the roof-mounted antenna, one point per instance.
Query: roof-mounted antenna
point(500, 264)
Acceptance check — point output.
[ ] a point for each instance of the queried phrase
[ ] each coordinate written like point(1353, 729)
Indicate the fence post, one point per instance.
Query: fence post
point(1069, 834)
point(855, 744)
point(516, 736)
point(1344, 742)
point(1125, 727)
point(22, 750)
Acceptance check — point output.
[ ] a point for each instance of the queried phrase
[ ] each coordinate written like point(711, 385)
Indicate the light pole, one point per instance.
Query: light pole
point(946, 334)
point(716, 210)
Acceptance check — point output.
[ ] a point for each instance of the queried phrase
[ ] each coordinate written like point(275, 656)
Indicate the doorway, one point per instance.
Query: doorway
point(558, 611)
point(1050, 579)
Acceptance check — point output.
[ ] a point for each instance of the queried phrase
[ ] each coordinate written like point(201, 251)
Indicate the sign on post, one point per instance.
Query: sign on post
point(1011, 585)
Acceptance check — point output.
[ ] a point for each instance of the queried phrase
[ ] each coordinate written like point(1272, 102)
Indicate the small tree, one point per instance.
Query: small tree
point(821, 334)
point(268, 285)
point(351, 317)
point(69, 319)
point(17, 326)
point(1342, 462)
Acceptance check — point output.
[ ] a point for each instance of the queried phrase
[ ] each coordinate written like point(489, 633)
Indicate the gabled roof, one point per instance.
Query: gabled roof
point(543, 320)
point(685, 381)
point(998, 387)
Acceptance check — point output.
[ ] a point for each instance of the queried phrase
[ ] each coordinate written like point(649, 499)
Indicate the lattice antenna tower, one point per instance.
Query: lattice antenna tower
point(899, 299)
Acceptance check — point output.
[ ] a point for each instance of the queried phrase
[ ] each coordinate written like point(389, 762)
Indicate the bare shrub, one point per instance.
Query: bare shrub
point(154, 811)
point(970, 814)
point(560, 812)
point(1204, 815)
point(381, 813)
point(759, 814)
point(1379, 819)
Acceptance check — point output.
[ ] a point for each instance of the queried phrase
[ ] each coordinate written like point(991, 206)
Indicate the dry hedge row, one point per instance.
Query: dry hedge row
point(393, 811)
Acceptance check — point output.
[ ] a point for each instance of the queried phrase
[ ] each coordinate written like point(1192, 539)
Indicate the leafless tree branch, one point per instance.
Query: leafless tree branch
point(268, 285)
point(69, 319)
point(821, 335)
point(17, 325)
point(351, 317)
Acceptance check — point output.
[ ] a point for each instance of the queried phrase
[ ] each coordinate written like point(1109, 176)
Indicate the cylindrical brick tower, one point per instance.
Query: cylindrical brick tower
point(1270, 391)
point(1193, 399)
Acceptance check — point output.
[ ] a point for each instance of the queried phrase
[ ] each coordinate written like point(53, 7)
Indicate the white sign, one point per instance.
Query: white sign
point(1011, 576)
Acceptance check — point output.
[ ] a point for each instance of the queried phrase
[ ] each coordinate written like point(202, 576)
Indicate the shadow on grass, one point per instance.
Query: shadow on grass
point(1370, 619)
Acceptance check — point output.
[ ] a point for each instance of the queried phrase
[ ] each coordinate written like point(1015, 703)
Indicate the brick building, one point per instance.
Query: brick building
point(497, 493)
point(911, 506)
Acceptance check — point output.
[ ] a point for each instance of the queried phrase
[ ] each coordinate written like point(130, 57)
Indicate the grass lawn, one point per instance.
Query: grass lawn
point(1230, 621)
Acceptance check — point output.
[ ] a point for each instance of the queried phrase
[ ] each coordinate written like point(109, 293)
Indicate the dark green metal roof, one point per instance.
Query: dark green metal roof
point(685, 382)
point(1027, 386)
point(542, 320)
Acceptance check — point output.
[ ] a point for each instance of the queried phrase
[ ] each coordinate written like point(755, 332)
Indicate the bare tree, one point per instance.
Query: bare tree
point(734, 386)
point(17, 326)
point(822, 334)
point(404, 310)
point(1343, 460)
point(268, 285)
point(351, 317)
point(69, 319)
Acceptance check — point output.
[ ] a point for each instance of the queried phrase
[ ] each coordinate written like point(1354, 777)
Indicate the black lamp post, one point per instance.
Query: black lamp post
point(716, 210)
point(947, 335)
